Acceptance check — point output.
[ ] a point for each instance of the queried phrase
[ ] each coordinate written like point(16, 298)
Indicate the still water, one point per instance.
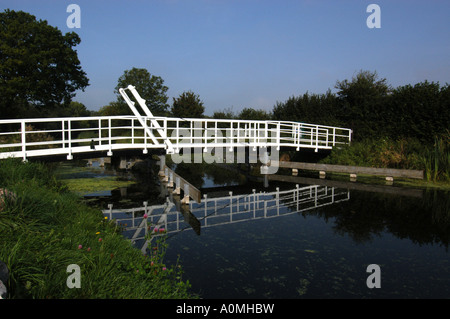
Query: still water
point(291, 237)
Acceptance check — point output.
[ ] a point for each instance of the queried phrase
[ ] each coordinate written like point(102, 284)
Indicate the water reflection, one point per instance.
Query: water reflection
point(291, 237)
point(174, 217)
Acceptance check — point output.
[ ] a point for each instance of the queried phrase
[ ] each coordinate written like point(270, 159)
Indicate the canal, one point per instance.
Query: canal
point(282, 236)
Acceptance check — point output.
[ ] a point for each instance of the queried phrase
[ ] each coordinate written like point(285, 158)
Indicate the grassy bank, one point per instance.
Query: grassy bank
point(434, 159)
point(44, 228)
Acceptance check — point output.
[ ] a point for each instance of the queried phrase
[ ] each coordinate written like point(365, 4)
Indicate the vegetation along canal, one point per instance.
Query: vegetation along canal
point(252, 237)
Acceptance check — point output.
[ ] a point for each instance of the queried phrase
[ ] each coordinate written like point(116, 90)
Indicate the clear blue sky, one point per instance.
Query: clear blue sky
point(251, 53)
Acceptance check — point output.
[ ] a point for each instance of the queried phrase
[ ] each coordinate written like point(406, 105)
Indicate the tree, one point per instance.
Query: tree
point(39, 69)
point(309, 108)
point(150, 87)
point(225, 114)
point(114, 108)
point(363, 103)
point(188, 105)
point(421, 111)
point(252, 114)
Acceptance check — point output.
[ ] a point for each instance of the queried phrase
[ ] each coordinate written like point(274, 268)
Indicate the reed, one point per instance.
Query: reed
point(436, 160)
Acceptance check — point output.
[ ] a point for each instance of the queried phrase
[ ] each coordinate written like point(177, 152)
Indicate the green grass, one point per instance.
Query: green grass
point(434, 159)
point(87, 186)
point(46, 228)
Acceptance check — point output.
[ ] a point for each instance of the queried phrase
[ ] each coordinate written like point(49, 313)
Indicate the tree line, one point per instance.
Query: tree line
point(374, 109)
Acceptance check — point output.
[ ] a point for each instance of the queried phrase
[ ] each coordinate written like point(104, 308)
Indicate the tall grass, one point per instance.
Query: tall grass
point(405, 153)
point(46, 228)
point(436, 160)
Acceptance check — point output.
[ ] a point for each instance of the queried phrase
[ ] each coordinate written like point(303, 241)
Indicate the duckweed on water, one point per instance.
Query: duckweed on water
point(90, 185)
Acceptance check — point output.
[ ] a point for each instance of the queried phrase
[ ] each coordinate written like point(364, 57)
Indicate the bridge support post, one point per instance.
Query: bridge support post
point(185, 199)
point(162, 164)
point(170, 183)
point(177, 189)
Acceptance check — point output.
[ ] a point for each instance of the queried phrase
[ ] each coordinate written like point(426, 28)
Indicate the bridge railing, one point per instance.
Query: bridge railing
point(55, 136)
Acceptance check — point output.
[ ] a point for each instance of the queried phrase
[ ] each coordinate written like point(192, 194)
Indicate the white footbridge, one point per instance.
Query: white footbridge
point(41, 137)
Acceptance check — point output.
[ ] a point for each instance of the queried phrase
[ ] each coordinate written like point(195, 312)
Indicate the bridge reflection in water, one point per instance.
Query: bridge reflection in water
point(173, 217)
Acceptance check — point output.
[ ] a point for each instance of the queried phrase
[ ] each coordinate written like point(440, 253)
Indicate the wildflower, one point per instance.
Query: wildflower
point(89, 249)
point(80, 246)
point(97, 233)
point(145, 215)
point(161, 230)
point(152, 263)
point(155, 230)
point(164, 268)
point(100, 239)
point(106, 217)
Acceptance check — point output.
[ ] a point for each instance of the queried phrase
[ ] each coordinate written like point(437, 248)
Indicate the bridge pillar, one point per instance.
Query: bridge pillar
point(177, 189)
point(185, 199)
point(170, 183)
point(162, 163)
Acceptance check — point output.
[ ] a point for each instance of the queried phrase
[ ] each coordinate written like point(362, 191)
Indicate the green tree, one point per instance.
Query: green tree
point(78, 109)
point(421, 111)
point(363, 103)
point(114, 108)
point(225, 114)
point(39, 68)
point(309, 108)
point(150, 87)
point(252, 114)
point(188, 105)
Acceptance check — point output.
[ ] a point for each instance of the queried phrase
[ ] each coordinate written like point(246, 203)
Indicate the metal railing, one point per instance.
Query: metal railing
point(56, 136)
point(66, 136)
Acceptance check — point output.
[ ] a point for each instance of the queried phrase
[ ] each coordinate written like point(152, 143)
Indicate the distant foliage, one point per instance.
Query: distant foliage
point(188, 105)
point(309, 108)
point(150, 87)
point(373, 109)
point(245, 114)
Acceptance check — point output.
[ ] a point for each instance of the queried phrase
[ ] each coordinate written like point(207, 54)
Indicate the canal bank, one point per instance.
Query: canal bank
point(56, 246)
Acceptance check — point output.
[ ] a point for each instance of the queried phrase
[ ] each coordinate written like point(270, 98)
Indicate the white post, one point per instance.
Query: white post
point(334, 136)
point(24, 141)
point(69, 133)
point(110, 141)
point(99, 132)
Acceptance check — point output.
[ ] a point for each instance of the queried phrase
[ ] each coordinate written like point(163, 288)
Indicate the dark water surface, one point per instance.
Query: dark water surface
point(311, 240)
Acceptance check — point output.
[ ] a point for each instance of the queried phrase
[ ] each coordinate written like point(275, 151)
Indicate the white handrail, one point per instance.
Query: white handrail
point(149, 114)
point(68, 135)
